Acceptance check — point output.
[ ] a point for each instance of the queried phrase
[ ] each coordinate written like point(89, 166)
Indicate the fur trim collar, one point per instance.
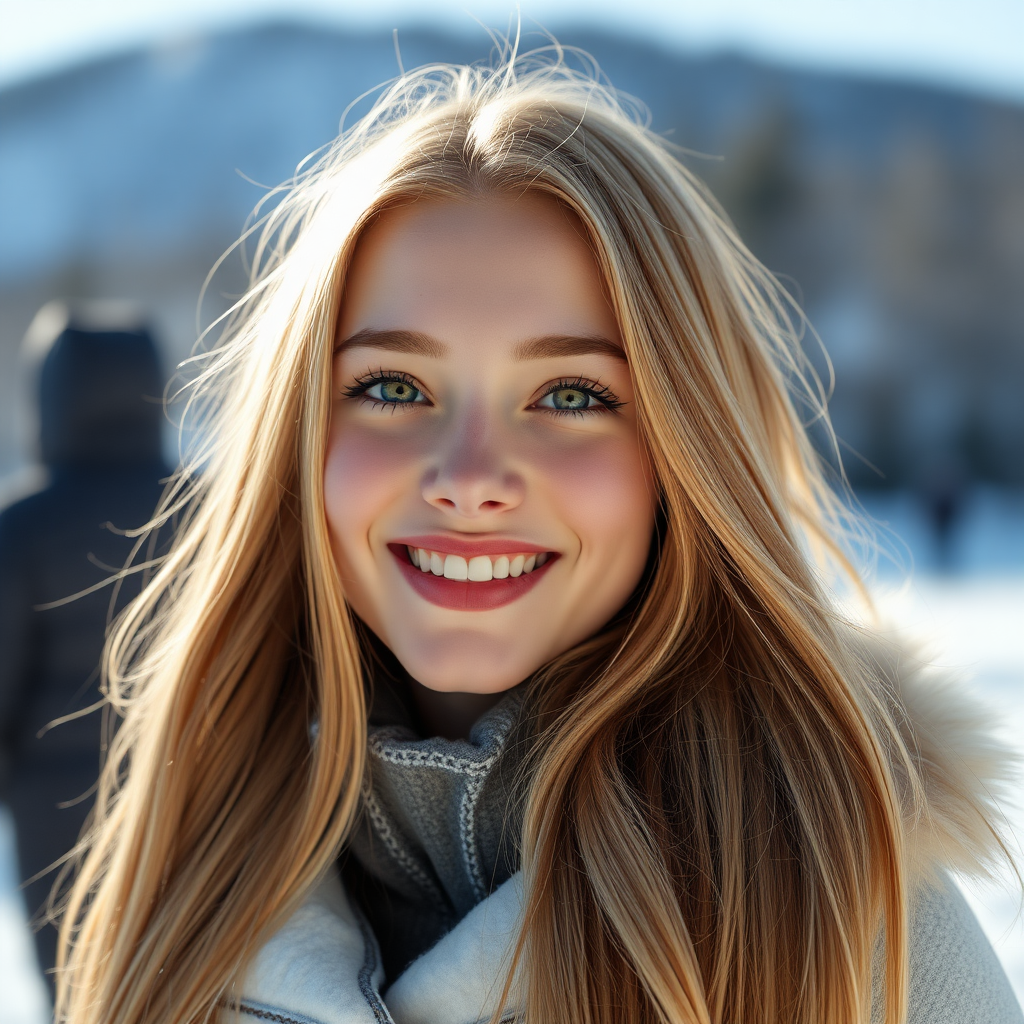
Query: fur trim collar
point(323, 966)
point(965, 772)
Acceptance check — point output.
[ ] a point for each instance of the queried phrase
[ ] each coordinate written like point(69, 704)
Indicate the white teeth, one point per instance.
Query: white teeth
point(479, 569)
point(455, 568)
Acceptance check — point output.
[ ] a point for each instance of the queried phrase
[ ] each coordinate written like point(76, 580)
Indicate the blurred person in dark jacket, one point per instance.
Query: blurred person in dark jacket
point(99, 388)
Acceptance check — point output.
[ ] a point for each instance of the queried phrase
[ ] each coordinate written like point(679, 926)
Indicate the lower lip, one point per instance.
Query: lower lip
point(462, 595)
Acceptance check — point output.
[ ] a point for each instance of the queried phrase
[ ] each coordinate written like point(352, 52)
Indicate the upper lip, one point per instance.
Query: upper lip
point(469, 548)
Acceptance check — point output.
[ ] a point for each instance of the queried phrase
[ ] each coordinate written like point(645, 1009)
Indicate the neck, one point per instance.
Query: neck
point(451, 715)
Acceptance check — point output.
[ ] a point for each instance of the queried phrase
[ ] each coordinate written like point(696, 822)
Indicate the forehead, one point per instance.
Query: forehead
point(510, 267)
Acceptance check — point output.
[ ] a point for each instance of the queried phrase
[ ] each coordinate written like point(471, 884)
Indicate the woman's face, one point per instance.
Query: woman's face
point(489, 501)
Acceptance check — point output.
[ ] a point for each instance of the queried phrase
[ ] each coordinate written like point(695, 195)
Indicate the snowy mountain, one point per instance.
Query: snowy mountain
point(897, 209)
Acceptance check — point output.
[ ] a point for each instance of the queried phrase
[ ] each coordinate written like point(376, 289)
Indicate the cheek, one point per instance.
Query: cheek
point(363, 478)
point(605, 493)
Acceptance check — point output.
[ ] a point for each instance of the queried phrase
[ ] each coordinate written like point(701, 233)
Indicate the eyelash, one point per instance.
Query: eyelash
point(608, 401)
point(605, 396)
point(363, 384)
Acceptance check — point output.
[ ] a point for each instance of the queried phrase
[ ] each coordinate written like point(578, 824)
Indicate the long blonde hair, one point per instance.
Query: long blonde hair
point(714, 828)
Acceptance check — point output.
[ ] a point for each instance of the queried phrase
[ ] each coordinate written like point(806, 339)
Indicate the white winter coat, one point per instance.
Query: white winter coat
point(323, 965)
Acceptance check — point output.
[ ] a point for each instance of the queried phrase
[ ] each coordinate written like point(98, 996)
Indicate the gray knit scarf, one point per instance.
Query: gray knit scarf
point(440, 823)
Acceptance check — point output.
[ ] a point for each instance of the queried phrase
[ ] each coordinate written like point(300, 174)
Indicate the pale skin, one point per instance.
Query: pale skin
point(481, 395)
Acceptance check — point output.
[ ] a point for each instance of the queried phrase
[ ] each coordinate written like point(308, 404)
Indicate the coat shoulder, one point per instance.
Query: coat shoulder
point(321, 967)
point(960, 771)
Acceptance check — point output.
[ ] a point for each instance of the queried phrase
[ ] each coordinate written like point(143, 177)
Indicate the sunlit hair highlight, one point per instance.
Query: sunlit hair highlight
point(715, 820)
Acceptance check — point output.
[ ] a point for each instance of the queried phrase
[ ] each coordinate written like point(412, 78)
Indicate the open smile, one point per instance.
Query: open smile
point(477, 577)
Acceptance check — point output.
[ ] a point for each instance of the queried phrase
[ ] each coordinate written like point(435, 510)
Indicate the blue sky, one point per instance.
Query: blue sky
point(975, 44)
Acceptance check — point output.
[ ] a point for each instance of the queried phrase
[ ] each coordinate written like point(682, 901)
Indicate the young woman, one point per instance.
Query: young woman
point(491, 677)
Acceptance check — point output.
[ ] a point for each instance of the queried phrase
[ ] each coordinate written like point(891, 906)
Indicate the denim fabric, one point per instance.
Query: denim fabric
point(440, 824)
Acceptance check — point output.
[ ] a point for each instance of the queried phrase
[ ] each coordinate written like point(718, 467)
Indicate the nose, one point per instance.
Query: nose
point(471, 475)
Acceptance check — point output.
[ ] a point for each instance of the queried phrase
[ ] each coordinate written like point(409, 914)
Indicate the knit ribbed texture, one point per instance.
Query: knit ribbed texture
point(439, 828)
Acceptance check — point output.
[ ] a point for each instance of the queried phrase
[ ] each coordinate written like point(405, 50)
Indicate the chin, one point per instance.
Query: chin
point(466, 665)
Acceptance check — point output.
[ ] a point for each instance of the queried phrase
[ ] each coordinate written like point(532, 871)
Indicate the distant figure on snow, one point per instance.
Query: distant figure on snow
point(99, 442)
point(944, 494)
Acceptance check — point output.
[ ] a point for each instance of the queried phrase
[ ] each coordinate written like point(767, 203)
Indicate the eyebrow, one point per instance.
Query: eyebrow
point(565, 345)
point(546, 347)
point(396, 341)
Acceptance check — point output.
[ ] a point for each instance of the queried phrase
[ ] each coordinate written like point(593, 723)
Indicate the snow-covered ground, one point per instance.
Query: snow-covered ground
point(24, 999)
point(978, 626)
point(973, 618)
